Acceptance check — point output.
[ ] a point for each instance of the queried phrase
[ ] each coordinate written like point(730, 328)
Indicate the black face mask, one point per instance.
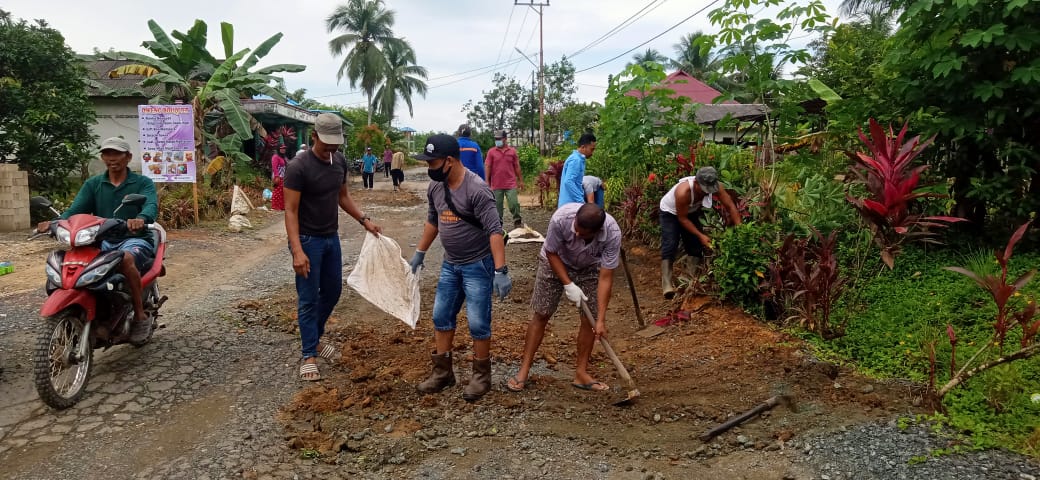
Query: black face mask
point(438, 174)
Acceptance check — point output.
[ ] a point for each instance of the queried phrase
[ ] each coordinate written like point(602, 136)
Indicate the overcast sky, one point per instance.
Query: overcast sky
point(449, 36)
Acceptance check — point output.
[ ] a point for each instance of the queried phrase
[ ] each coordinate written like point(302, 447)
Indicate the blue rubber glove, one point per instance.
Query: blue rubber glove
point(502, 284)
point(417, 260)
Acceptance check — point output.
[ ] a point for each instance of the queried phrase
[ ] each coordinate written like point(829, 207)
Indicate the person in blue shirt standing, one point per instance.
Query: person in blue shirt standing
point(571, 190)
point(469, 152)
point(368, 168)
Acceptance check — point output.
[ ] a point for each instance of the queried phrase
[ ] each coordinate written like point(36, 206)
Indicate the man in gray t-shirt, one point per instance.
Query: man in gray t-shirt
point(581, 250)
point(462, 212)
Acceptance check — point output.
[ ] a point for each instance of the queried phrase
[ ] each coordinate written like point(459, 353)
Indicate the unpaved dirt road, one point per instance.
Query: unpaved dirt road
point(216, 395)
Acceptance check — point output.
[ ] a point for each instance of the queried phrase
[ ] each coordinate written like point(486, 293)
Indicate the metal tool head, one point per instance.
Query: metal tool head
point(632, 394)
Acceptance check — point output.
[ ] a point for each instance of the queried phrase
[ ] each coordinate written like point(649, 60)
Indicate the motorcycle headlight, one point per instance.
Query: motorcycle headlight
point(86, 236)
point(93, 275)
point(62, 234)
point(53, 275)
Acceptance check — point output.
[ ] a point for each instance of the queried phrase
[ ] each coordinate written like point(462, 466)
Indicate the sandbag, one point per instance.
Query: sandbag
point(238, 222)
point(385, 279)
point(525, 234)
point(240, 204)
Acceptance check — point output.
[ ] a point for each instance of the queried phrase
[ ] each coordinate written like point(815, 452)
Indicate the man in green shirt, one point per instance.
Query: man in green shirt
point(100, 196)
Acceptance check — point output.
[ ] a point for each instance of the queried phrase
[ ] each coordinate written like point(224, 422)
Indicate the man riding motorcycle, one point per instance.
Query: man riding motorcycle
point(100, 196)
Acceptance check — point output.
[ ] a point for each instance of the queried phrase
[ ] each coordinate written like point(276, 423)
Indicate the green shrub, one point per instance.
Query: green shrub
point(531, 163)
point(742, 255)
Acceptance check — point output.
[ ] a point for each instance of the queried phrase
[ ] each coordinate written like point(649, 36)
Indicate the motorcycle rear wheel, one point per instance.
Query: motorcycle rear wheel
point(151, 298)
point(60, 378)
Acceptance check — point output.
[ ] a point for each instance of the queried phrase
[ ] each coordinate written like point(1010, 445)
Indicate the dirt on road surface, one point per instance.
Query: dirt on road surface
point(216, 394)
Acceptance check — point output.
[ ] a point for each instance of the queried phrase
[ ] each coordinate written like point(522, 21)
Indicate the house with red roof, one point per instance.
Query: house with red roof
point(710, 113)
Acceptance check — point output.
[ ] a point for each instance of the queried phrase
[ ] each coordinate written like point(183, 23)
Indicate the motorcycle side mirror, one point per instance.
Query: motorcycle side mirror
point(134, 199)
point(39, 202)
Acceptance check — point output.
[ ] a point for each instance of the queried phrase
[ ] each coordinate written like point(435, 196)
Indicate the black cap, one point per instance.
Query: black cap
point(500, 134)
point(439, 146)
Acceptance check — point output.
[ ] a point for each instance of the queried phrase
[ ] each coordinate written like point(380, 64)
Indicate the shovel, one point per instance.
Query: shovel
point(633, 392)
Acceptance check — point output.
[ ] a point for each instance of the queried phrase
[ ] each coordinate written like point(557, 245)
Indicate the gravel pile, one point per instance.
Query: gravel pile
point(885, 451)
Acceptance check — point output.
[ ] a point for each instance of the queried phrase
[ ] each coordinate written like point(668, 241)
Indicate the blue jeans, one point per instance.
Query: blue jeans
point(470, 282)
point(319, 292)
point(672, 232)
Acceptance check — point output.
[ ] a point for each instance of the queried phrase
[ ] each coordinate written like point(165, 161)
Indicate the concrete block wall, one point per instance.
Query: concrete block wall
point(14, 198)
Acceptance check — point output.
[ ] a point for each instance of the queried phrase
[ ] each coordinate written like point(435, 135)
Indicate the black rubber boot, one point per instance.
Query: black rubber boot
point(442, 377)
point(479, 382)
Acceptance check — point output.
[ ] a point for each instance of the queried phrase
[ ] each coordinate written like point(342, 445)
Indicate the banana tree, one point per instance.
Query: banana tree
point(188, 72)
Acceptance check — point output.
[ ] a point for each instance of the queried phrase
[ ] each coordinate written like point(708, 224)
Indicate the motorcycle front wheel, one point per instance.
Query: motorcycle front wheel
point(60, 374)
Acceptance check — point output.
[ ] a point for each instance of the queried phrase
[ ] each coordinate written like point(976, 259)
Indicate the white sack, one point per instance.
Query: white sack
point(238, 222)
point(525, 234)
point(385, 279)
point(240, 204)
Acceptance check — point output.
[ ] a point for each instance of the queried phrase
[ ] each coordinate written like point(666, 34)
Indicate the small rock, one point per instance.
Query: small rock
point(742, 439)
point(657, 417)
point(389, 428)
point(868, 388)
point(460, 451)
point(837, 385)
point(1026, 476)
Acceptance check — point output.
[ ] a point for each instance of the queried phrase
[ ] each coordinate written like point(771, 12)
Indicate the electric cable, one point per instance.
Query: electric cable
point(673, 27)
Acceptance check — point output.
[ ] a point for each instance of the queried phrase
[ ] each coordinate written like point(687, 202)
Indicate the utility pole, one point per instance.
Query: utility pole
point(541, 71)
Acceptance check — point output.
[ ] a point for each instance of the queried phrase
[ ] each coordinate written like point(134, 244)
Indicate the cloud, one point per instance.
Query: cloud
point(449, 37)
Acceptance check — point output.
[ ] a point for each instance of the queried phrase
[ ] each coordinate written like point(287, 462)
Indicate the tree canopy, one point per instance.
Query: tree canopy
point(45, 116)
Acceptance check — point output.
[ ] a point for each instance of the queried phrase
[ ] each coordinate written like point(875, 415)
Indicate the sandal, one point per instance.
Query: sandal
point(593, 386)
point(521, 384)
point(309, 372)
point(328, 352)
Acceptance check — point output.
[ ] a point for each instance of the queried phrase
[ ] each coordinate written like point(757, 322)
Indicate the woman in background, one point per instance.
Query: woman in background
point(277, 177)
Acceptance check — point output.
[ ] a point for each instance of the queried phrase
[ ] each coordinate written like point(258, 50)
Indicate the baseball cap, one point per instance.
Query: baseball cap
point(329, 128)
point(464, 130)
point(368, 148)
point(708, 179)
point(439, 146)
point(500, 135)
point(115, 143)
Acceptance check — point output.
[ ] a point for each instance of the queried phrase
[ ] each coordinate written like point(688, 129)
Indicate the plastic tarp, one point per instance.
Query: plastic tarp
point(385, 279)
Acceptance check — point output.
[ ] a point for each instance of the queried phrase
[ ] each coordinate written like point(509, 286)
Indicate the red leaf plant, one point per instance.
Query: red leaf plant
point(805, 277)
point(1002, 291)
point(893, 183)
point(549, 181)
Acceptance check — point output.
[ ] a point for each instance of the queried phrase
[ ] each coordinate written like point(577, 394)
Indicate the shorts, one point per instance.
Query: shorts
point(548, 289)
point(140, 248)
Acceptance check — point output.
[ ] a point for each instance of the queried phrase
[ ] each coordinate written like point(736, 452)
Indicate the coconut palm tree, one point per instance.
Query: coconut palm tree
point(691, 59)
point(650, 55)
point(401, 79)
point(367, 27)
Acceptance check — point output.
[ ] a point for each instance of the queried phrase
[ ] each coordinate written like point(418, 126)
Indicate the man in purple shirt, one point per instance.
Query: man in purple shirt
point(581, 250)
point(388, 157)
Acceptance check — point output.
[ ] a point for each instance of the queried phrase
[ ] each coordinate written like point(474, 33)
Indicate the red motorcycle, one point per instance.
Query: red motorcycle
point(88, 303)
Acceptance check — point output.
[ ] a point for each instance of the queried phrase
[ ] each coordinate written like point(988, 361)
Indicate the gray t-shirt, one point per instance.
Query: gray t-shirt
point(463, 242)
point(603, 251)
point(319, 183)
point(590, 184)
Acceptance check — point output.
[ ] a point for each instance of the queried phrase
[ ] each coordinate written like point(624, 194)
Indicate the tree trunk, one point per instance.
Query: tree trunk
point(369, 108)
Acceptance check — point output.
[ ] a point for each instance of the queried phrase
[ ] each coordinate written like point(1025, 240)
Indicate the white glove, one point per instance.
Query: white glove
point(574, 293)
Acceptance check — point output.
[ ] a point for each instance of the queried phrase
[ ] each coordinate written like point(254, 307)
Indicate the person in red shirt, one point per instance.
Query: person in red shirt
point(503, 174)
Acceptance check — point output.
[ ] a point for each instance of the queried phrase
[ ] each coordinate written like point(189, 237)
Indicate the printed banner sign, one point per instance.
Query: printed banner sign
point(167, 143)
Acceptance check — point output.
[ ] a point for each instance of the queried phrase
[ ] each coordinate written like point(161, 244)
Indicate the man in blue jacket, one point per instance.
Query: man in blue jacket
point(469, 152)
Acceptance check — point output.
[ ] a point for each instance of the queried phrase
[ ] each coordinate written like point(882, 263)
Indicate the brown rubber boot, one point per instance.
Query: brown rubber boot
point(442, 377)
point(666, 279)
point(479, 382)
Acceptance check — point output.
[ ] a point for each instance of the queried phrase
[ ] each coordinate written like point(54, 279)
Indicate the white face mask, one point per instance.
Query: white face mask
point(499, 143)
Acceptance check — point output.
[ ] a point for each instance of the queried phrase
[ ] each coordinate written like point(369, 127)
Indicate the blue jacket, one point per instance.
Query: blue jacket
point(471, 156)
point(369, 163)
point(571, 190)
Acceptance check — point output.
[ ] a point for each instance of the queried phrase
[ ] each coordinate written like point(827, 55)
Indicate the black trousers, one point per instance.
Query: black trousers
point(386, 170)
point(672, 231)
point(367, 178)
point(398, 176)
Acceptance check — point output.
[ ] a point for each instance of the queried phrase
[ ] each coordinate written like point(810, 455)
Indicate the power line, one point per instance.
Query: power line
point(504, 64)
point(621, 26)
point(495, 65)
point(519, 31)
point(659, 35)
point(336, 94)
point(526, 47)
point(505, 34)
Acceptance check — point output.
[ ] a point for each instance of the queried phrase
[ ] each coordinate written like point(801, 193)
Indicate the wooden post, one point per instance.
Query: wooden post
point(195, 195)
